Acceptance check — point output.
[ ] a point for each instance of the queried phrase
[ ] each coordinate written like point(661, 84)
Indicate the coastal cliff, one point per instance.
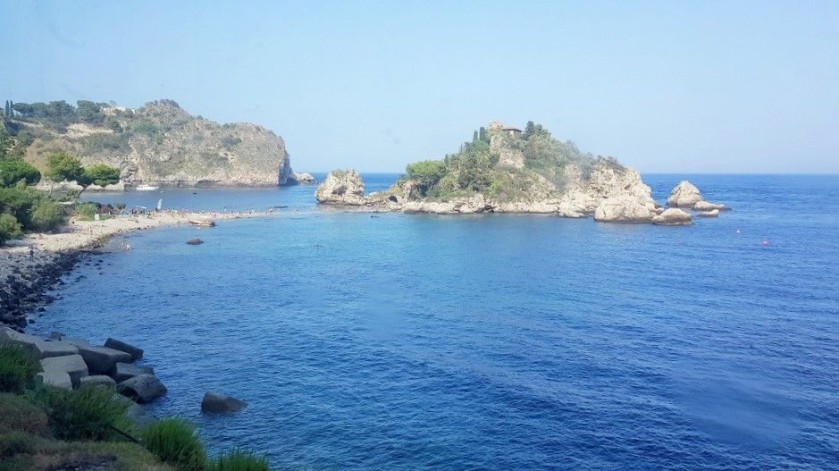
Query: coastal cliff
point(158, 143)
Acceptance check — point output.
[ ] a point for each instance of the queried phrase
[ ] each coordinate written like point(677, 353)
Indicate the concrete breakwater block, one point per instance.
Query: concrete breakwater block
point(73, 365)
point(142, 389)
point(124, 371)
point(54, 378)
point(217, 402)
point(54, 349)
point(98, 380)
point(136, 353)
point(102, 360)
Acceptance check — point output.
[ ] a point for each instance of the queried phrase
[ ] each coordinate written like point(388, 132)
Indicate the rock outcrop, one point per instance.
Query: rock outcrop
point(161, 144)
point(707, 206)
point(673, 217)
point(684, 195)
point(625, 209)
point(342, 187)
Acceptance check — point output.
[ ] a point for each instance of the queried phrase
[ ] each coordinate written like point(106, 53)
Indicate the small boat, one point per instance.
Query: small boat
point(202, 222)
point(145, 187)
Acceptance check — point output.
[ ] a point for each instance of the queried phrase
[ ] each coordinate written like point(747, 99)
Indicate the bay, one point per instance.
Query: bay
point(391, 341)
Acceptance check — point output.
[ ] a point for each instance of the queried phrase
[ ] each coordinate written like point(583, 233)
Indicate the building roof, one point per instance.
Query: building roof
point(511, 129)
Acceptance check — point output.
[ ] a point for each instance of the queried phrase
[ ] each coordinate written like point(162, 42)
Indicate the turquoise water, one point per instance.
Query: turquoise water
point(395, 341)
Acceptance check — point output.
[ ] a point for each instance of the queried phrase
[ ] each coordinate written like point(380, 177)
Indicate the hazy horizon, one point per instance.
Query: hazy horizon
point(665, 87)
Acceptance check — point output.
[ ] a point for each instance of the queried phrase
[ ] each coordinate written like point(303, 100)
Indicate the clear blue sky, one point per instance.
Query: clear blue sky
point(669, 86)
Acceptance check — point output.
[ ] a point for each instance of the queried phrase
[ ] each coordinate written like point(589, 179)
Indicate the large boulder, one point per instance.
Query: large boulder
point(341, 187)
point(135, 352)
point(625, 209)
point(673, 217)
point(102, 360)
point(217, 402)
point(707, 206)
point(73, 365)
point(142, 389)
point(708, 214)
point(684, 195)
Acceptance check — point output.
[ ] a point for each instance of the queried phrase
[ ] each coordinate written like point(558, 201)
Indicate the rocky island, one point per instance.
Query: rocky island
point(156, 144)
point(507, 170)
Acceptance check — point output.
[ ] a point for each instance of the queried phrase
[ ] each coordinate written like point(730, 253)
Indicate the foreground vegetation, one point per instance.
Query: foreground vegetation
point(505, 164)
point(44, 428)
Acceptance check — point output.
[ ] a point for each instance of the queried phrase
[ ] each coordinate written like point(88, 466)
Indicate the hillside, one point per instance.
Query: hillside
point(159, 143)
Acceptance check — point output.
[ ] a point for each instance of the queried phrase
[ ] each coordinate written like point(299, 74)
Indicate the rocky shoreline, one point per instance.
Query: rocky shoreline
point(32, 267)
point(610, 196)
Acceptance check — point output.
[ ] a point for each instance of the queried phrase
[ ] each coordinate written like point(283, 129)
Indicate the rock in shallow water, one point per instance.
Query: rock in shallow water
point(217, 402)
point(684, 195)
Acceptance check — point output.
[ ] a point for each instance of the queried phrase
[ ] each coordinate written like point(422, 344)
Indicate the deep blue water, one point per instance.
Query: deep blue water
point(499, 342)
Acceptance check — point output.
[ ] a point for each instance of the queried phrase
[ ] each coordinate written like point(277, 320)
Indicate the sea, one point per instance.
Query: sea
point(386, 341)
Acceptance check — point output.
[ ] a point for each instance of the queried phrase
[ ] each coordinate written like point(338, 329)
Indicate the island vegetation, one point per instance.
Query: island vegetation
point(501, 163)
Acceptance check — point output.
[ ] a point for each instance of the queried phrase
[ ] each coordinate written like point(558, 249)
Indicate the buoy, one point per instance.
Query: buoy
point(738, 230)
point(195, 242)
point(764, 242)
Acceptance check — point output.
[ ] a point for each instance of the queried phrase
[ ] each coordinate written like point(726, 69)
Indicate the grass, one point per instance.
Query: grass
point(175, 443)
point(19, 414)
point(238, 460)
point(83, 414)
point(17, 368)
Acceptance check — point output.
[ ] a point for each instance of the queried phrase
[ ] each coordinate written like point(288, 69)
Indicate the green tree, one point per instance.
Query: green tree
point(426, 173)
point(13, 171)
point(99, 174)
point(47, 216)
point(63, 166)
point(89, 112)
point(9, 228)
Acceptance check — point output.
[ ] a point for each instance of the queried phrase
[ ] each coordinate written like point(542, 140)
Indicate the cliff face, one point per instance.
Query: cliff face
point(161, 143)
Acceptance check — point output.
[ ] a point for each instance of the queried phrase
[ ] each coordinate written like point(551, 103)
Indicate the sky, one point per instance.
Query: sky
point(664, 86)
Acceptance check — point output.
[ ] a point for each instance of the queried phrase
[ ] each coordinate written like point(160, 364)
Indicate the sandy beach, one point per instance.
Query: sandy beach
point(31, 265)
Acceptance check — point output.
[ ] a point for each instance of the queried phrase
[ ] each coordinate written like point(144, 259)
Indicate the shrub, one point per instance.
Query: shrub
point(238, 460)
point(17, 413)
point(17, 367)
point(86, 210)
point(47, 216)
point(83, 414)
point(175, 443)
point(15, 443)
